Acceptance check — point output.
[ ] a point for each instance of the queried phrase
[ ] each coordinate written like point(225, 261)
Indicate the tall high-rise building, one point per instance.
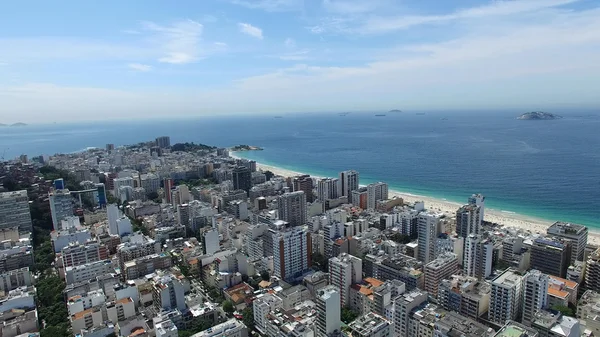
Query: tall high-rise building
point(242, 178)
point(14, 211)
point(168, 188)
point(428, 227)
point(478, 200)
point(592, 272)
point(535, 294)
point(360, 197)
point(101, 194)
point(121, 182)
point(150, 182)
point(578, 234)
point(344, 271)
point(478, 256)
point(329, 312)
point(348, 183)
point(168, 292)
point(328, 189)
point(506, 297)
point(468, 220)
point(551, 256)
point(304, 183)
point(61, 206)
point(163, 142)
point(113, 214)
point(439, 269)
point(110, 147)
point(291, 207)
point(292, 251)
point(375, 192)
point(403, 306)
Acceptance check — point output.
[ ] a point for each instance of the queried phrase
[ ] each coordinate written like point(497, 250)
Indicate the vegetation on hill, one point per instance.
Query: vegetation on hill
point(191, 147)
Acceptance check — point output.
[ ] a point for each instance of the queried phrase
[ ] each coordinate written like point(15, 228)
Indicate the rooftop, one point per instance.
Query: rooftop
point(513, 329)
point(507, 279)
point(566, 228)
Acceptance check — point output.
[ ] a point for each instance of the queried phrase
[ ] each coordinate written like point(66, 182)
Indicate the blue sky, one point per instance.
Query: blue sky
point(82, 60)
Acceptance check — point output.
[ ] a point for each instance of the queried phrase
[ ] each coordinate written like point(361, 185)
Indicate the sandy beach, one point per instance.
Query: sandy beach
point(506, 219)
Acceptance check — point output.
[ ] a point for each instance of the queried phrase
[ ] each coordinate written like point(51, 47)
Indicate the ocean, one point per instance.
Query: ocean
point(546, 169)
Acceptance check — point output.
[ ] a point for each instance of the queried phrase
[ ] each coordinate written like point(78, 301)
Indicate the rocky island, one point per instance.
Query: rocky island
point(13, 125)
point(240, 148)
point(395, 111)
point(538, 115)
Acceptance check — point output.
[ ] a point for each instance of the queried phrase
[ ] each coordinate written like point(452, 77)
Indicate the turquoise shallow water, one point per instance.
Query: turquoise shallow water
point(545, 169)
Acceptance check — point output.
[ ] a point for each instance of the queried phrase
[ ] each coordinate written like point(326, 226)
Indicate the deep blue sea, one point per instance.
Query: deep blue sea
point(548, 169)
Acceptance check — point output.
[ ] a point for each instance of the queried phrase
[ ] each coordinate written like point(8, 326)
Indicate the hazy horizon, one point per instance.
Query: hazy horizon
point(78, 60)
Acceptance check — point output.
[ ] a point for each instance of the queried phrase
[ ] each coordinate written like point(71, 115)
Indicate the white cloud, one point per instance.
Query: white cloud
point(496, 8)
point(300, 55)
point(180, 42)
point(271, 5)
point(139, 67)
point(499, 63)
point(354, 6)
point(251, 30)
point(290, 43)
point(220, 44)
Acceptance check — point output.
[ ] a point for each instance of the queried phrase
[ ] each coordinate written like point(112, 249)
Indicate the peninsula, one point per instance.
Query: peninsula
point(538, 115)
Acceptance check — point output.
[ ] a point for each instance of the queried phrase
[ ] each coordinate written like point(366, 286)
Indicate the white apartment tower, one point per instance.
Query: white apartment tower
point(506, 297)
point(348, 183)
point(468, 220)
point(478, 256)
point(291, 207)
point(292, 252)
point(61, 206)
point(478, 200)
point(375, 192)
point(121, 182)
point(328, 312)
point(344, 271)
point(113, 214)
point(14, 211)
point(428, 228)
point(403, 305)
point(328, 189)
point(535, 294)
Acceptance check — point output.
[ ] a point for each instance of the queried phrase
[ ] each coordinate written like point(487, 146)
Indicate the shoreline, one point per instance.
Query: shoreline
point(505, 218)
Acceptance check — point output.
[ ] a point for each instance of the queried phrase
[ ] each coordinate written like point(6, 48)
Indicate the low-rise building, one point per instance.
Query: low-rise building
point(466, 295)
point(230, 328)
point(371, 325)
point(562, 291)
point(514, 329)
point(15, 278)
point(553, 324)
point(88, 271)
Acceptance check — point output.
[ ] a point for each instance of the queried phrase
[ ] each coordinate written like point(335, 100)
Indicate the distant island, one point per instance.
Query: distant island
point(240, 148)
point(395, 111)
point(13, 125)
point(538, 115)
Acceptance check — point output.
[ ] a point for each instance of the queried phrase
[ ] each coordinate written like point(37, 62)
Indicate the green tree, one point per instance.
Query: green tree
point(319, 262)
point(269, 175)
point(228, 307)
point(264, 275)
point(566, 311)
point(248, 318)
point(348, 315)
